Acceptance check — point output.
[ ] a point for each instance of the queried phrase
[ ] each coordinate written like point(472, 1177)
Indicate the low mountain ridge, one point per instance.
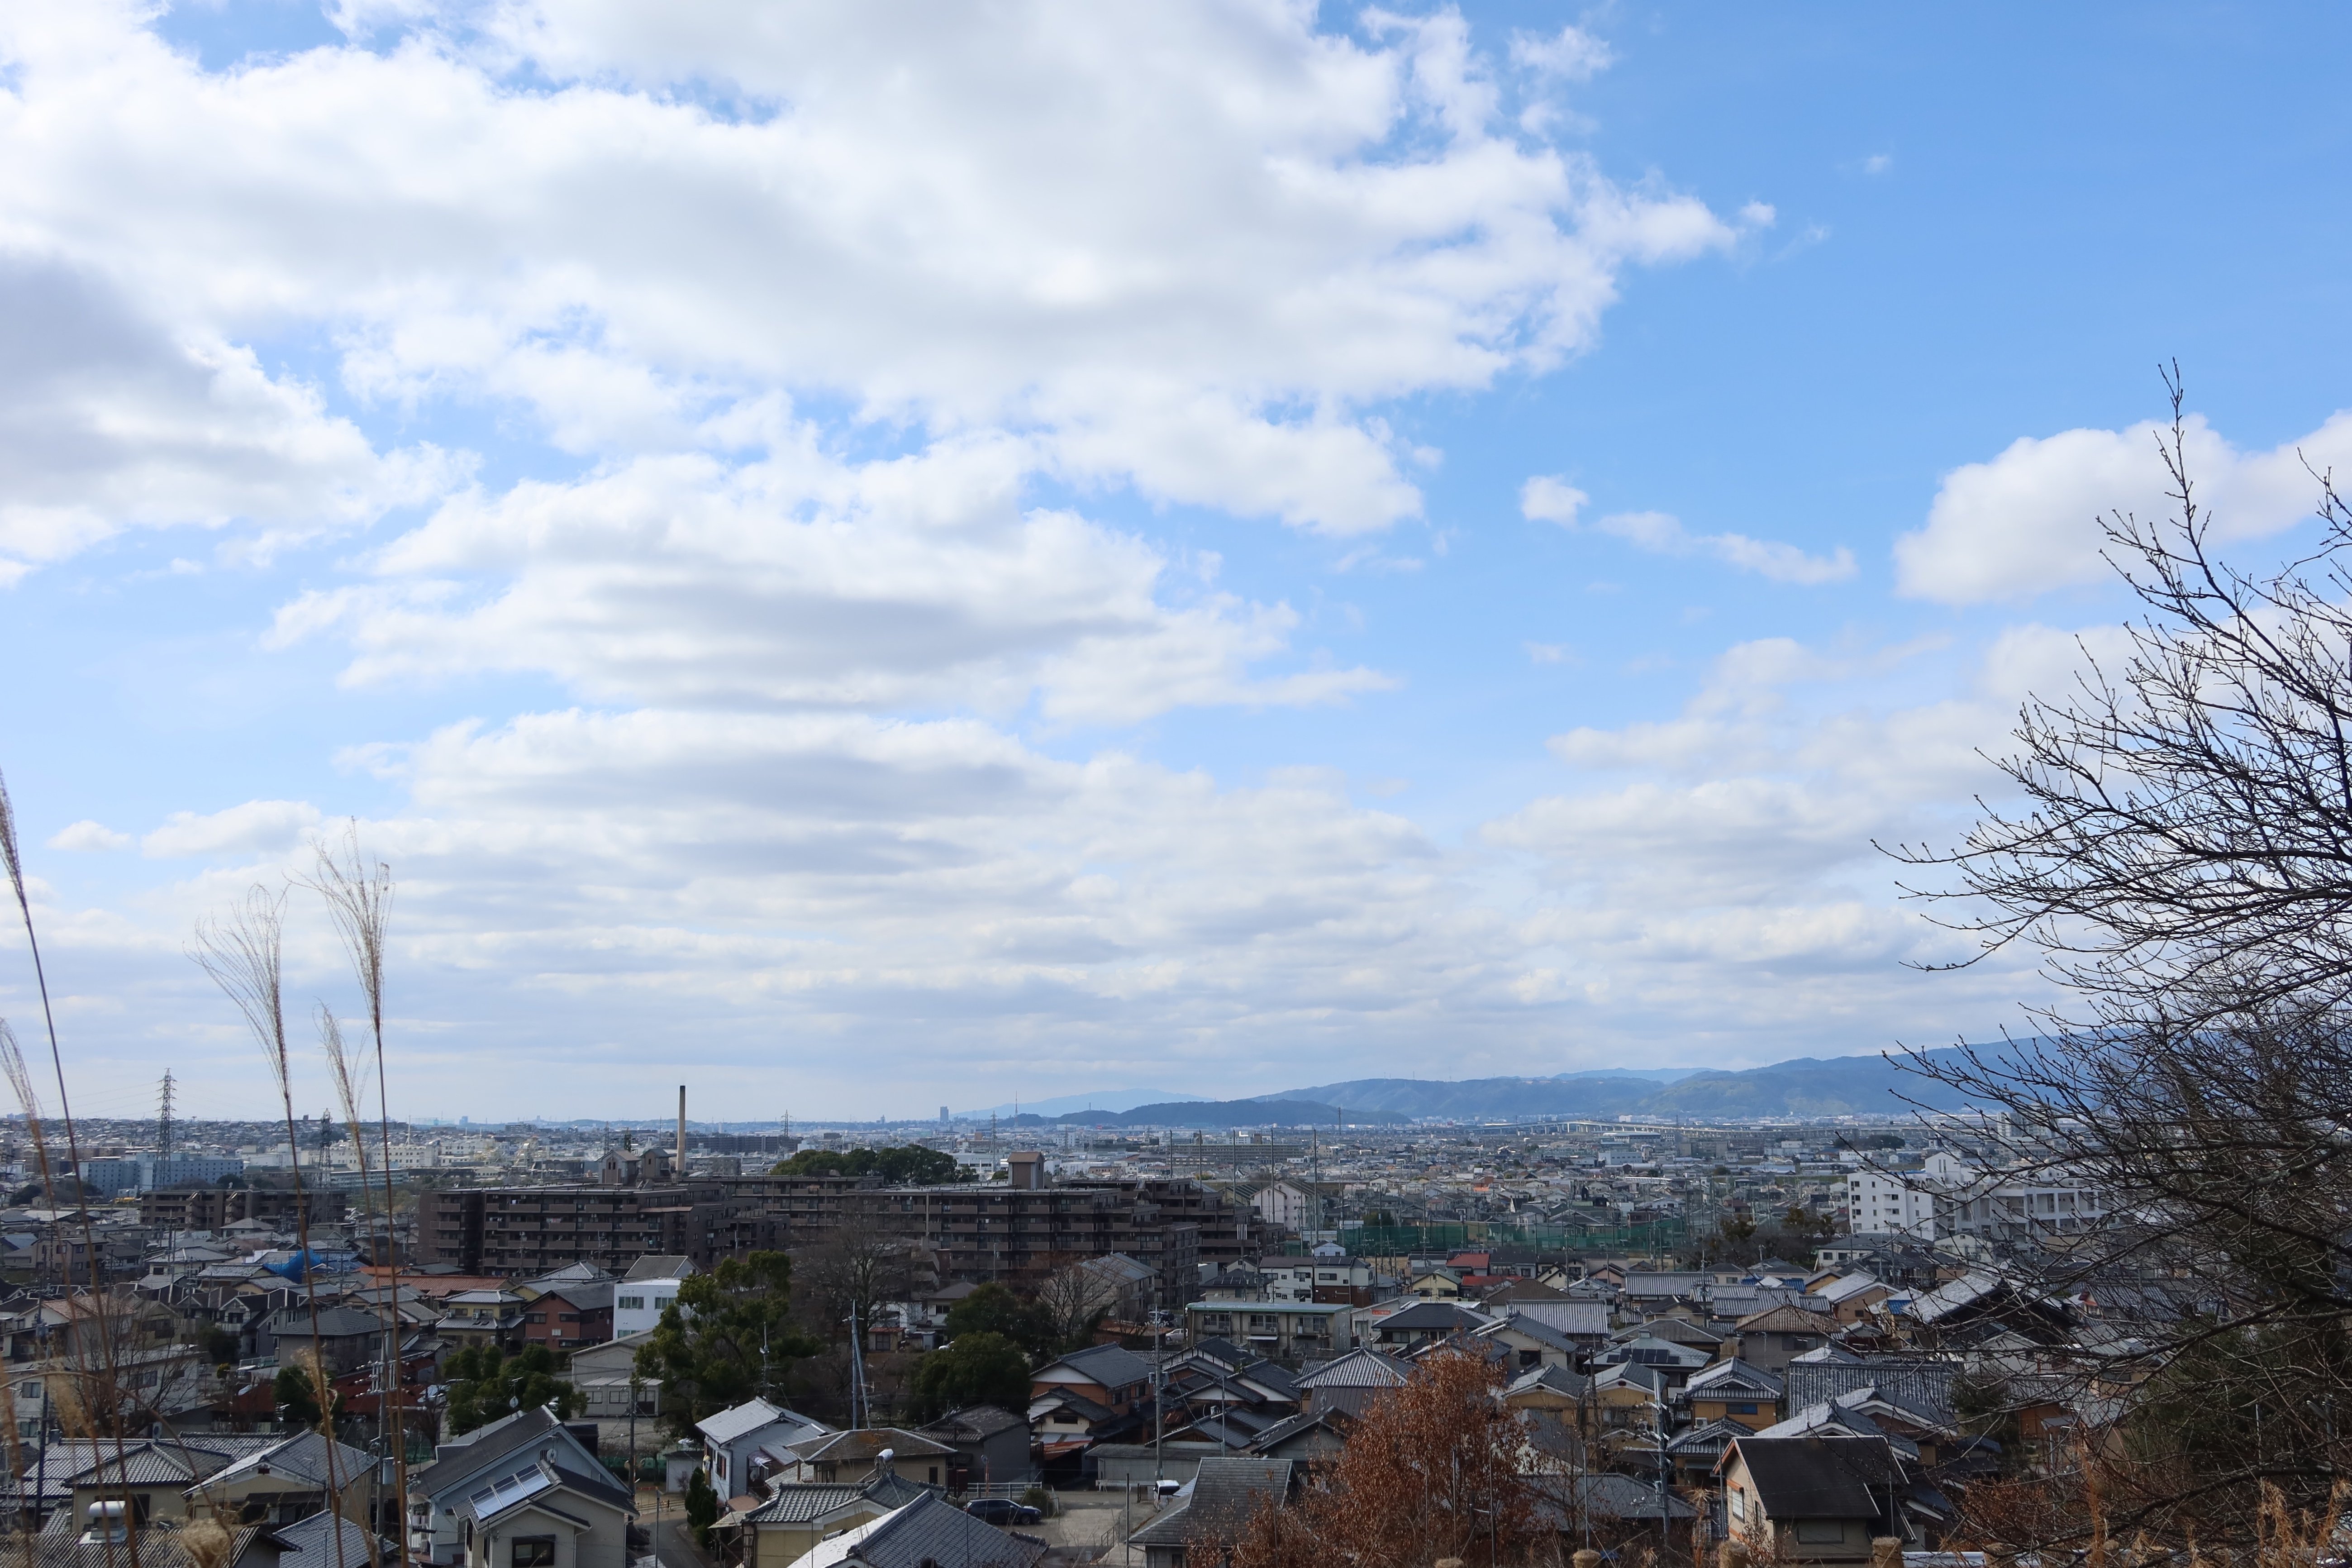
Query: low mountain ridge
point(1803, 1086)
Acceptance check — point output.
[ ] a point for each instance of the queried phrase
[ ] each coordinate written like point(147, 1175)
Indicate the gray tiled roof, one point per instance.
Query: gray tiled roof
point(798, 1502)
point(1817, 1478)
point(867, 1442)
point(309, 1537)
point(1917, 1384)
point(1356, 1369)
point(467, 1455)
point(1734, 1376)
point(974, 1421)
point(1607, 1495)
point(304, 1456)
point(60, 1545)
point(930, 1530)
point(1433, 1317)
point(1226, 1493)
point(1586, 1319)
point(1112, 1366)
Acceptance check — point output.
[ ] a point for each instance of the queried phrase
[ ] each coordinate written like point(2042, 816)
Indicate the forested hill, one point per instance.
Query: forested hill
point(1807, 1086)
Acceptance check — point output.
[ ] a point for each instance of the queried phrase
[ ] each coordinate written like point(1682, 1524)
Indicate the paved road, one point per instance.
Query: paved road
point(674, 1543)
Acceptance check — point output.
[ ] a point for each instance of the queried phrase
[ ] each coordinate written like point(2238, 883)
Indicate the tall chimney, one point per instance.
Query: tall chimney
point(681, 1131)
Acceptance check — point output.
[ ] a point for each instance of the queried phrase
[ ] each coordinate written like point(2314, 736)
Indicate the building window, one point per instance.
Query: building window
point(1821, 1531)
point(534, 1551)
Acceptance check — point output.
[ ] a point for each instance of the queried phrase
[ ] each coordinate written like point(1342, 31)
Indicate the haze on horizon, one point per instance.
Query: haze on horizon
point(1231, 546)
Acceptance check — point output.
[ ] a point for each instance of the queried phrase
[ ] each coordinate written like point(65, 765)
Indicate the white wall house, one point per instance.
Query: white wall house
point(650, 1285)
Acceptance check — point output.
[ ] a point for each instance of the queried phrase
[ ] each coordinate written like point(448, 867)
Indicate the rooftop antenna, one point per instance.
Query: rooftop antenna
point(164, 1129)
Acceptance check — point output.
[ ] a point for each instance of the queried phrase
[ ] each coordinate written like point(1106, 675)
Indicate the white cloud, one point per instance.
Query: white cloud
point(802, 581)
point(1661, 534)
point(1572, 54)
point(1550, 653)
point(1878, 163)
point(1547, 498)
point(1738, 859)
point(108, 420)
point(2028, 521)
point(89, 835)
point(256, 827)
point(1183, 249)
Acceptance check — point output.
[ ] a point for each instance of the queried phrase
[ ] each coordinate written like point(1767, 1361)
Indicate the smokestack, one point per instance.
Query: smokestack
point(681, 1130)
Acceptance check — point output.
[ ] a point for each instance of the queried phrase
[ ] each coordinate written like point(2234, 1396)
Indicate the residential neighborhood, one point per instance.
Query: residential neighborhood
point(1780, 1337)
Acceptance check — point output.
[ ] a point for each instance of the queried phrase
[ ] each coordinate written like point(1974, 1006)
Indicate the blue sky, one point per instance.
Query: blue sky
point(861, 566)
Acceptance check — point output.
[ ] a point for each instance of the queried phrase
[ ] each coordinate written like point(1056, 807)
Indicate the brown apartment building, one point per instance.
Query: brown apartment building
point(998, 1234)
point(210, 1208)
point(523, 1232)
point(988, 1233)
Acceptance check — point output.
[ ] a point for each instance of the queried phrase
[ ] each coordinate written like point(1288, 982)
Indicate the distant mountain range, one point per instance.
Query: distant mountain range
point(1807, 1086)
point(1113, 1099)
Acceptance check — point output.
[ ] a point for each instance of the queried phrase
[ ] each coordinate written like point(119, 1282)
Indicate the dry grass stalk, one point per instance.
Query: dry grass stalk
point(358, 892)
point(339, 1067)
point(104, 1378)
point(245, 955)
point(206, 1542)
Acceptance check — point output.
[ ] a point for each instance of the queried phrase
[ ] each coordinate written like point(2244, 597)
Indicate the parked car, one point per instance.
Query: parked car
point(1000, 1512)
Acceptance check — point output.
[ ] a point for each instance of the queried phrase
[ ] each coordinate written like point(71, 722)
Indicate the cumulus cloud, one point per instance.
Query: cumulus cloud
point(1184, 249)
point(1548, 498)
point(89, 835)
point(1730, 849)
point(256, 827)
point(109, 419)
point(803, 581)
point(2028, 521)
point(840, 333)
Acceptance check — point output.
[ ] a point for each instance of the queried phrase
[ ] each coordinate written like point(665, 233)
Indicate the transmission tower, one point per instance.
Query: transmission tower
point(164, 1129)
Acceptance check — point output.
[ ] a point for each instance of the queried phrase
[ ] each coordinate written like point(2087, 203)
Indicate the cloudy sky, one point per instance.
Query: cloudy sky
point(867, 556)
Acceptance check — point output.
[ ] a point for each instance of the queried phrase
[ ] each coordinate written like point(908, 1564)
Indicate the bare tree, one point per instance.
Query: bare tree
point(2186, 827)
point(853, 1270)
point(1075, 1298)
point(2181, 859)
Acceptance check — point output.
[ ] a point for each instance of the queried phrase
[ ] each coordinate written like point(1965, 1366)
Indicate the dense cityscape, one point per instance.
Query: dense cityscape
point(1188, 1312)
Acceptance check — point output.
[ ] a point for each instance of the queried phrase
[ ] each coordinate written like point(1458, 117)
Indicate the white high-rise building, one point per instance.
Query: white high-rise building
point(1947, 1197)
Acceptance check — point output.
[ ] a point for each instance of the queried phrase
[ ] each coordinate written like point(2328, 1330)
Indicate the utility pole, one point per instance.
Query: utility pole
point(1158, 1409)
point(860, 1402)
